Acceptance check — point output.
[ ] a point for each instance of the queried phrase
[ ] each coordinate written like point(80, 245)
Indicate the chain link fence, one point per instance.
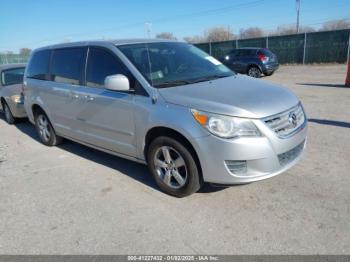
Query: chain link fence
point(13, 58)
point(307, 48)
point(316, 47)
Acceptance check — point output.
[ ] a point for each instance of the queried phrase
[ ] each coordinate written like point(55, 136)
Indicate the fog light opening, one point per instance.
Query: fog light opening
point(236, 166)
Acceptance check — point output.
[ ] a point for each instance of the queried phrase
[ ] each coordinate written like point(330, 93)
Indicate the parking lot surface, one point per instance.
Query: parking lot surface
point(75, 200)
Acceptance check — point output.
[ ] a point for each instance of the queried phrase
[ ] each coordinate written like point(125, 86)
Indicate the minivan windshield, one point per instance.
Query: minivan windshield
point(167, 64)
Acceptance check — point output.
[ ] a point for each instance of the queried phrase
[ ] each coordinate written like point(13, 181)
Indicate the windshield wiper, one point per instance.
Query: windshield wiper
point(173, 83)
point(187, 82)
point(208, 78)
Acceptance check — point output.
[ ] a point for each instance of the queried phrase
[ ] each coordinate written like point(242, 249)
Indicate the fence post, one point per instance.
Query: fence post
point(348, 54)
point(267, 41)
point(304, 53)
point(209, 47)
point(236, 43)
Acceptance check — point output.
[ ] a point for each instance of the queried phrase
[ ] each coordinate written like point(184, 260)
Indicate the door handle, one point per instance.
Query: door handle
point(73, 96)
point(89, 98)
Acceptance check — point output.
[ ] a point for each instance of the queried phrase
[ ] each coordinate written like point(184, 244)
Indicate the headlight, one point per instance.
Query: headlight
point(17, 98)
point(225, 126)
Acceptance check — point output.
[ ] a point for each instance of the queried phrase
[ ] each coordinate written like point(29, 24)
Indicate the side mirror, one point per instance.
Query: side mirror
point(117, 83)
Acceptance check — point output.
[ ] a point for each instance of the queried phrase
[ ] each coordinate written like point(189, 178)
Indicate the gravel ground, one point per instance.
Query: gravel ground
point(75, 200)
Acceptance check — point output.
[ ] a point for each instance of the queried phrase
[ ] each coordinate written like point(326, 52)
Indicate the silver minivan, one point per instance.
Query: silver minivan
point(166, 104)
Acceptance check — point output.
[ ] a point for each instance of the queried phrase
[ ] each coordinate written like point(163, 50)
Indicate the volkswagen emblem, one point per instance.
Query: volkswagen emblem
point(292, 119)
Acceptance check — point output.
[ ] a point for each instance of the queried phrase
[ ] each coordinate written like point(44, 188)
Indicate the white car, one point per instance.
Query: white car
point(11, 96)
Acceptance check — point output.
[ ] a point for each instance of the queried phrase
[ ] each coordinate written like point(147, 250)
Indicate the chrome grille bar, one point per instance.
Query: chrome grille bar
point(286, 123)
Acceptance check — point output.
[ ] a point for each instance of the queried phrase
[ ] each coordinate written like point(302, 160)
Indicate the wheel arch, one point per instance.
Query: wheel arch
point(158, 131)
point(37, 108)
point(253, 65)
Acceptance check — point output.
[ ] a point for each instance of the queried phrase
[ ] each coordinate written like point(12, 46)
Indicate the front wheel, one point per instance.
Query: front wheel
point(45, 130)
point(254, 71)
point(173, 167)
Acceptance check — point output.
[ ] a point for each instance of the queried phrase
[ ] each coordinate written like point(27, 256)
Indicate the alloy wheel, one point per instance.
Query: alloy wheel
point(44, 130)
point(254, 72)
point(170, 167)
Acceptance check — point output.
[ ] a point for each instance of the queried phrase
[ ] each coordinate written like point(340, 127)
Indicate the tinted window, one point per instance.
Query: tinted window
point(100, 65)
point(12, 76)
point(38, 67)
point(67, 65)
point(247, 52)
point(233, 53)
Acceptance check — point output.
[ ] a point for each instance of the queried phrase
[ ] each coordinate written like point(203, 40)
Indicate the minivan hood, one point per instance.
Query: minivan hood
point(237, 95)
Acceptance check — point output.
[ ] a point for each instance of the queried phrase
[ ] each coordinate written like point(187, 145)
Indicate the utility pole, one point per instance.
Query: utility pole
point(298, 12)
point(148, 29)
point(228, 32)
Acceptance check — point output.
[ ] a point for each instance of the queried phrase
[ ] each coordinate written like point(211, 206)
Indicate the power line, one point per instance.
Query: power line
point(225, 9)
point(210, 12)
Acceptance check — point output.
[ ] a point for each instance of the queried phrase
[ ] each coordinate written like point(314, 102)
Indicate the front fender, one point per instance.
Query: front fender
point(175, 117)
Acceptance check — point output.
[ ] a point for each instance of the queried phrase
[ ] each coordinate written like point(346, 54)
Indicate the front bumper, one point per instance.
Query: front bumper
point(264, 156)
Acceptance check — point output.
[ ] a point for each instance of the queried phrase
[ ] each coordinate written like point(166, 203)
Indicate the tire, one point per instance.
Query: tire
point(269, 74)
point(173, 167)
point(45, 130)
point(254, 71)
point(8, 114)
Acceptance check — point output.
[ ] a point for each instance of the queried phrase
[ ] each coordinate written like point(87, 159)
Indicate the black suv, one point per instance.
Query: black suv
point(251, 61)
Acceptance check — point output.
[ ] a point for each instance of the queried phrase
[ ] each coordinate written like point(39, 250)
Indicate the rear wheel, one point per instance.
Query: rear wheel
point(45, 130)
point(254, 71)
point(173, 167)
point(8, 114)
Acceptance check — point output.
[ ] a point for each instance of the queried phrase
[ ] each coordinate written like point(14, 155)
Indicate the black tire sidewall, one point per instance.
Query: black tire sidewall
point(11, 119)
point(193, 183)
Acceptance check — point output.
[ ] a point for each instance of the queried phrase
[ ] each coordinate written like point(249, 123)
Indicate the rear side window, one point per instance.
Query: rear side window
point(38, 67)
point(234, 53)
point(253, 52)
point(67, 65)
point(247, 52)
point(101, 64)
point(12, 76)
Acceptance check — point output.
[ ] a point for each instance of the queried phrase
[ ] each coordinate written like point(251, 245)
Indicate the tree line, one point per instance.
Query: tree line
point(221, 33)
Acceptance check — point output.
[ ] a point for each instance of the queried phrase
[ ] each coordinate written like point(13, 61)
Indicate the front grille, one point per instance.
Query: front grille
point(291, 155)
point(287, 122)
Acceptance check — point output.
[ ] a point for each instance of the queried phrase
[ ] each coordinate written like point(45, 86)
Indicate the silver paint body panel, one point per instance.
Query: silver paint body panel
point(118, 122)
